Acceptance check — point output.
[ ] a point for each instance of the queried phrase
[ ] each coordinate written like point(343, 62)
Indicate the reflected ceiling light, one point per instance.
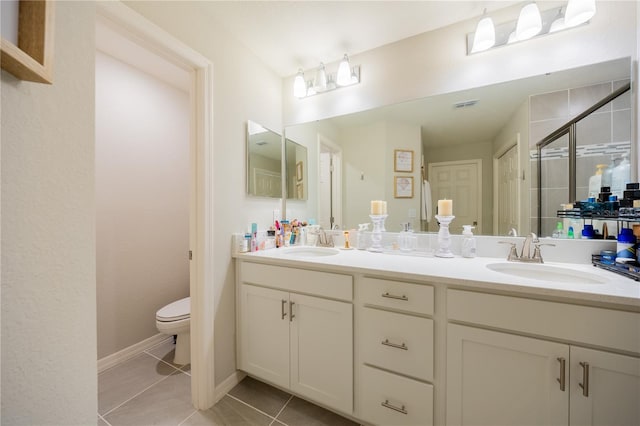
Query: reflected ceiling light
point(485, 36)
point(324, 81)
point(579, 12)
point(558, 24)
point(299, 85)
point(529, 23)
point(320, 83)
point(344, 72)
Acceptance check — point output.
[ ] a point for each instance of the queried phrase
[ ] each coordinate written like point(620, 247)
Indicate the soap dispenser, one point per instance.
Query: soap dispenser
point(468, 242)
point(406, 239)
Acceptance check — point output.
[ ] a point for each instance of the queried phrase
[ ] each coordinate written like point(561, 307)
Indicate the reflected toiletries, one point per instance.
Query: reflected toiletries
point(468, 242)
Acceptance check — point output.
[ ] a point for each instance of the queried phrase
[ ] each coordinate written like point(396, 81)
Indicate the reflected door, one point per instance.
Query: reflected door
point(460, 181)
point(507, 196)
point(329, 184)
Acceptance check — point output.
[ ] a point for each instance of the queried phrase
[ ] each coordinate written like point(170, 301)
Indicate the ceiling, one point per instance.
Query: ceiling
point(287, 35)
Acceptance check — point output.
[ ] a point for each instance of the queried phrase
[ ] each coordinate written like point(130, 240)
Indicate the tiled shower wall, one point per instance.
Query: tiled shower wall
point(601, 138)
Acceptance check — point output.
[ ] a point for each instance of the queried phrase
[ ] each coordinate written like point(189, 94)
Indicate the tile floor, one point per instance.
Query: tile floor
point(150, 390)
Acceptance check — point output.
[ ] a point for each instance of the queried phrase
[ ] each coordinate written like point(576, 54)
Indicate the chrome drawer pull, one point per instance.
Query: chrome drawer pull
point(393, 407)
point(282, 312)
point(386, 342)
point(393, 296)
point(291, 315)
point(562, 378)
point(585, 378)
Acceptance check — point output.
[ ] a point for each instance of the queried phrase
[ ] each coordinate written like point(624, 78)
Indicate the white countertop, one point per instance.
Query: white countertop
point(614, 289)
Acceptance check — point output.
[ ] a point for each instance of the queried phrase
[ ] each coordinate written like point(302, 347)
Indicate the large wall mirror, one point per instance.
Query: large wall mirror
point(476, 147)
point(264, 161)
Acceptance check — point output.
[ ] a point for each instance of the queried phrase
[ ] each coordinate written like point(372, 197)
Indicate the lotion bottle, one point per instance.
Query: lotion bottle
point(595, 181)
point(468, 242)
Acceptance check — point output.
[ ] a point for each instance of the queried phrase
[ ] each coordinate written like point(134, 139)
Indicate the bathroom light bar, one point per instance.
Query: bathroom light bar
point(552, 21)
point(325, 81)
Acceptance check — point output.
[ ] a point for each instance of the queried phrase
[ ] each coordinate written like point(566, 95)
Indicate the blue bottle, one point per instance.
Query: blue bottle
point(625, 251)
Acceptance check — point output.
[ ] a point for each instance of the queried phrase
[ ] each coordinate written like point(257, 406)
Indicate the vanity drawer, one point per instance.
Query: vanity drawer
point(397, 342)
point(397, 295)
point(389, 399)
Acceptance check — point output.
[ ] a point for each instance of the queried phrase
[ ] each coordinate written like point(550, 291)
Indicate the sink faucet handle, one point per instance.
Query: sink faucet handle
point(513, 253)
point(537, 255)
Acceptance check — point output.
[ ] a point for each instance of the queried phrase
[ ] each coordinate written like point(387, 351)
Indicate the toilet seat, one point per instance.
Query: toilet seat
point(176, 311)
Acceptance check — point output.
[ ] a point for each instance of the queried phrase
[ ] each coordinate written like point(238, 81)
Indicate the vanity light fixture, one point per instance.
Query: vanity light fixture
point(531, 23)
point(579, 12)
point(299, 85)
point(324, 81)
point(485, 36)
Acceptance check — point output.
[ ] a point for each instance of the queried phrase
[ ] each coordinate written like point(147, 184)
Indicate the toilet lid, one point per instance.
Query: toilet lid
point(178, 310)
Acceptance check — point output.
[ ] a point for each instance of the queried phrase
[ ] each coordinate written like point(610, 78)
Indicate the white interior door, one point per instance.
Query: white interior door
point(506, 192)
point(460, 181)
point(329, 183)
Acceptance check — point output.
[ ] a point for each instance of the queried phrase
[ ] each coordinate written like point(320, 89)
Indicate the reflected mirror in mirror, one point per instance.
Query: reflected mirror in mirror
point(264, 161)
point(296, 170)
point(477, 147)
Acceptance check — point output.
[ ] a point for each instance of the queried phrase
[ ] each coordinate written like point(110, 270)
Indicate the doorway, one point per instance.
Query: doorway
point(329, 183)
point(460, 181)
point(201, 237)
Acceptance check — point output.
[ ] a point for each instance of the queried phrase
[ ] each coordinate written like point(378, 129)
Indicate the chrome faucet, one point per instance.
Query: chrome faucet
point(525, 254)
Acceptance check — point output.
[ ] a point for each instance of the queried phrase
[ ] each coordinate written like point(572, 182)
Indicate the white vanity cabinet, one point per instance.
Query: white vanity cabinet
point(298, 341)
point(395, 340)
point(500, 377)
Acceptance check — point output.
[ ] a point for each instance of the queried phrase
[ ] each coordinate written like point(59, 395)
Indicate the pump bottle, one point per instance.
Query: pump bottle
point(468, 242)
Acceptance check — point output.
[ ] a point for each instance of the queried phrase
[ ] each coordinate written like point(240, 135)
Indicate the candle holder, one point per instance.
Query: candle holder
point(444, 238)
point(376, 234)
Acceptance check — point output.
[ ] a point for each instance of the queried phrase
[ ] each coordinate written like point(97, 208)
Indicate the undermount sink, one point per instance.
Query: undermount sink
point(310, 251)
point(544, 272)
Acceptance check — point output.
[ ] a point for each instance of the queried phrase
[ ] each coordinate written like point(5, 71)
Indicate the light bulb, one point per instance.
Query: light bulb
point(529, 22)
point(579, 12)
point(485, 36)
point(299, 86)
point(344, 72)
point(320, 83)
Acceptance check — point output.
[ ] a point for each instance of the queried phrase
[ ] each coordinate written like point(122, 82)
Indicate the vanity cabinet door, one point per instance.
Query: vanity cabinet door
point(322, 350)
point(264, 330)
point(500, 379)
point(613, 388)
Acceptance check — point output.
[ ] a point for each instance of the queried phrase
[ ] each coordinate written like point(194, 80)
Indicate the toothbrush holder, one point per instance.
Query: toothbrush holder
point(376, 234)
point(444, 238)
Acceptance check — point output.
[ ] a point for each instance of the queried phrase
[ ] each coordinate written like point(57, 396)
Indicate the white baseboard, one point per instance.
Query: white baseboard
point(129, 352)
point(223, 388)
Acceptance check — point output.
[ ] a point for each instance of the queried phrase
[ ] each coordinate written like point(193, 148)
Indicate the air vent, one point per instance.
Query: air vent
point(465, 104)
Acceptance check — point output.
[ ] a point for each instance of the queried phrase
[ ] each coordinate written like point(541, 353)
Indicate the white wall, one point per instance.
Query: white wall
point(142, 201)
point(49, 370)
point(244, 89)
point(436, 62)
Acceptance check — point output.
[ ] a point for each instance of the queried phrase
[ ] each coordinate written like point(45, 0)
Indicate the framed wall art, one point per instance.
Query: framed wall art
point(403, 160)
point(403, 187)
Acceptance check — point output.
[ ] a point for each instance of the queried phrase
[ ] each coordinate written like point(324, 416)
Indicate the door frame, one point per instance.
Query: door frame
point(201, 213)
point(478, 163)
point(496, 190)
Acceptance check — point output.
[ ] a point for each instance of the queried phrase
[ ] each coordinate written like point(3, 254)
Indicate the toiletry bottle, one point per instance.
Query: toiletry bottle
point(559, 232)
point(595, 181)
point(468, 242)
point(626, 245)
point(606, 174)
point(406, 240)
point(620, 176)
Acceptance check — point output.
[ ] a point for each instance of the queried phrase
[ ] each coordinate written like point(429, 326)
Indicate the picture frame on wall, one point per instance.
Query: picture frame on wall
point(403, 160)
point(403, 187)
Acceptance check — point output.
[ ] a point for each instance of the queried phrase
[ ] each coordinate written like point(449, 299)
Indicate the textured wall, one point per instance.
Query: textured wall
point(48, 235)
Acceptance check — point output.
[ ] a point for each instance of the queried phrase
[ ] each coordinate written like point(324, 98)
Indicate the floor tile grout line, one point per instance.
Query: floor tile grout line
point(160, 359)
point(250, 406)
point(282, 409)
point(103, 419)
point(188, 417)
point(138, 394)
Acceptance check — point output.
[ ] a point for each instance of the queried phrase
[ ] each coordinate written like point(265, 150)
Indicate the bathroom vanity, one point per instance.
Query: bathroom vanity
point(406, 340)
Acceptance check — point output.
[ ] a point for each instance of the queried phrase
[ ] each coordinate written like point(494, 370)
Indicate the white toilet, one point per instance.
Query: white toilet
point(175, 319)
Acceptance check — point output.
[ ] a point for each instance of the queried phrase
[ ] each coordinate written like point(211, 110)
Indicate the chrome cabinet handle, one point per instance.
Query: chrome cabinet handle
point(386, 342)
point(386, 404)
point(291, 316)
point(284, 314)
point(562, 378)
point(393, 296)
point(585, 378)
